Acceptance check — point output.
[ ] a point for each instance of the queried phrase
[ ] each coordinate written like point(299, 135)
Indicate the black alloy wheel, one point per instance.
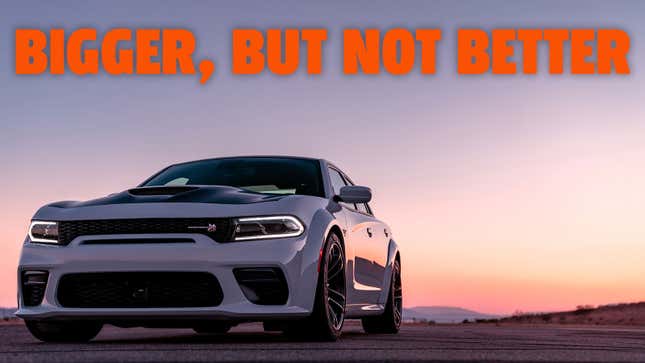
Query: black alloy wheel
point(335, 284)
point(328, 316)
point(390, 321)
point(397, 289)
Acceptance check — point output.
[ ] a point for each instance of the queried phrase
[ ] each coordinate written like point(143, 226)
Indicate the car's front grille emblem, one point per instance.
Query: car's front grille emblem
point(211, 228)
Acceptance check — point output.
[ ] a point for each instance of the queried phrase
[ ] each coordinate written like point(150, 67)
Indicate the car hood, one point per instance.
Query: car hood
point(177, 194)
point(182, 201)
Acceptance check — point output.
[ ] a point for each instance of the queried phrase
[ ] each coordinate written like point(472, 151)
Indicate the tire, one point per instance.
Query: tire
point(328, 316)
point(212, 328)
point(390, 321)
point(64, 331)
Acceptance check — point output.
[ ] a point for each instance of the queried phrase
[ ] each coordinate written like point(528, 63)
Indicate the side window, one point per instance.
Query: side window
point(337, 181)
point(362, 208)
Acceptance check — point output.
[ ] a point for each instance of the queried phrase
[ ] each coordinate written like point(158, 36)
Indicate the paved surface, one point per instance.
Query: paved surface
point(248, 342)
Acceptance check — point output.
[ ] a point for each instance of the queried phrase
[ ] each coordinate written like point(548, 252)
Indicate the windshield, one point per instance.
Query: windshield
point(256, 174)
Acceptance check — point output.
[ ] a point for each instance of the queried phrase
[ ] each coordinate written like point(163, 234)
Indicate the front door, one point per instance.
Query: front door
point(366, 248)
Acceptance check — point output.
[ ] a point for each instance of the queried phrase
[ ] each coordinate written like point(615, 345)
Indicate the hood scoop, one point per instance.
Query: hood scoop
point(173, 190)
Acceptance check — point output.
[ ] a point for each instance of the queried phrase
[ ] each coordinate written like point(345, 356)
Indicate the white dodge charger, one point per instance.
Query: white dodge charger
point(208, 244)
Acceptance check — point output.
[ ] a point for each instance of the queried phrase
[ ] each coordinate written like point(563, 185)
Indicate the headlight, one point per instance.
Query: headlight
point(267, 227)
point(43, 232)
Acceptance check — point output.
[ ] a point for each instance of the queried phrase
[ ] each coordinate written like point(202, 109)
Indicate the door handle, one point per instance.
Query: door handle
point(369, 232)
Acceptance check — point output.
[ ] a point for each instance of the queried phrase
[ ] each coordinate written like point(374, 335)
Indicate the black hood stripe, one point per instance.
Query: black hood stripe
point(191, 194)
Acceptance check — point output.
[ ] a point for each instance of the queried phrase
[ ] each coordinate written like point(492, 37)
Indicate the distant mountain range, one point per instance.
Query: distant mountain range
point(444, 314)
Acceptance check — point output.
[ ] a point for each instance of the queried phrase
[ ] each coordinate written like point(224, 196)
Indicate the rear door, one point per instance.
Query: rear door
point(370, 248)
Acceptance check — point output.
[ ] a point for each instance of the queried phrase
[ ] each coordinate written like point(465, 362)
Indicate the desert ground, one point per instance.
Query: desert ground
point(247, 342)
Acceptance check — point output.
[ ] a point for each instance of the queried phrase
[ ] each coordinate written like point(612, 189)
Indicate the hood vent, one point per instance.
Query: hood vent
point(160, 190)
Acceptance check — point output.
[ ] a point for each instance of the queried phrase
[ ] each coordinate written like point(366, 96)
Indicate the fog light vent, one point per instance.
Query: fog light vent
point(263, 285)
point(33, 287)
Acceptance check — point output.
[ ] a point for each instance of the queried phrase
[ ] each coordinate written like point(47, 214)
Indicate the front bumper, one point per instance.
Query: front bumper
point(291, 255)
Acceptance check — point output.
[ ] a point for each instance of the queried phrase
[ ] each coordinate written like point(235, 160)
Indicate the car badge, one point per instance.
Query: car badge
point(210, 228)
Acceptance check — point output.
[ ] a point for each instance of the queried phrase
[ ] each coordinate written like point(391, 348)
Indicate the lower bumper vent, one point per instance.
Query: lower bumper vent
point(263, 285)
point(139, 290)
point(33, 286)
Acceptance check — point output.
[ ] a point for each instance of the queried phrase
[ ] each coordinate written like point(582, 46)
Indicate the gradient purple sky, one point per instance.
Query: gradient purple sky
point(505, 192)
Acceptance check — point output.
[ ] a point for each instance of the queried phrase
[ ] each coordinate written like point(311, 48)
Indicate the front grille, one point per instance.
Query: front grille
point(33, 285)
point(135, 241)
point(68, 230)
point(263, 285)
point(139, 290)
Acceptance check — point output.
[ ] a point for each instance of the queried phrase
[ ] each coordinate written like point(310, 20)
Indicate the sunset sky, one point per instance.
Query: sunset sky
point(504, 192)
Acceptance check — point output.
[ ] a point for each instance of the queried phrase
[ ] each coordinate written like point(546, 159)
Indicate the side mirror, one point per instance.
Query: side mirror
point(355, 194)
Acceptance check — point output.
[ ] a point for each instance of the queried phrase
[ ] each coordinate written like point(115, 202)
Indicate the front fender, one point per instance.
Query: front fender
point(305, 290)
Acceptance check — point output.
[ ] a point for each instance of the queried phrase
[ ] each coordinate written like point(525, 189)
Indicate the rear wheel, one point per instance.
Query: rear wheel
point(67, 331)
point(326, 321)
point(390, 321)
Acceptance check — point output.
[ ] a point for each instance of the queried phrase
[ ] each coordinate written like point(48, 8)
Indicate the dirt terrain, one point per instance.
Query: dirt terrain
point(617, 315)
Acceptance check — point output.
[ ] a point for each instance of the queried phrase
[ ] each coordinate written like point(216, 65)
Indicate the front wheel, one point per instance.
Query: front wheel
point(326, 321)
point(64, 331)
point(390, 321)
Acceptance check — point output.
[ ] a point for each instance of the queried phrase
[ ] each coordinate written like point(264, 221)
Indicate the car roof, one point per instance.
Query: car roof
point(251, 156)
